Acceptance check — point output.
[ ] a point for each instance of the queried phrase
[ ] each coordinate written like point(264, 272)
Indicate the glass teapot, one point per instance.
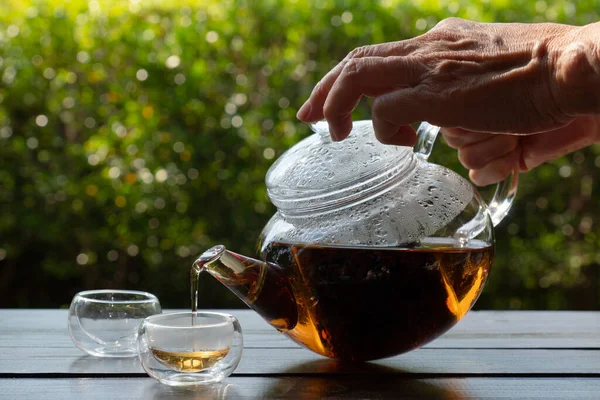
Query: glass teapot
point(373, 251)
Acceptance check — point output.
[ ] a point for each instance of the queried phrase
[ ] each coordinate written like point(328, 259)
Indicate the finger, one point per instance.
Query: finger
point(477, 155)
point(546, 146)
point(458, 137)
point(312, 109)
point(497, 170)
point(413, 104)
point(394, 110)
point(368, 76)
point(404, 136)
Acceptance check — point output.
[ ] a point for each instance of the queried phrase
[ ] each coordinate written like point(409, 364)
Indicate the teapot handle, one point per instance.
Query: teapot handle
point(505, 193)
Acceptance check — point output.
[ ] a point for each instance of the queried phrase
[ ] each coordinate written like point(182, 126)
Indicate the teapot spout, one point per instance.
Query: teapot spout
point(261, 285)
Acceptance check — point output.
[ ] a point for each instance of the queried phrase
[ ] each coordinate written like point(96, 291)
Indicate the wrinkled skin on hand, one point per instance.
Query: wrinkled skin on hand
point(472, 78)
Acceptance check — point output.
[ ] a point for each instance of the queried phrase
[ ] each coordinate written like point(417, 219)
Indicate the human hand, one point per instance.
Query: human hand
point(500, 78)
point(491, 157)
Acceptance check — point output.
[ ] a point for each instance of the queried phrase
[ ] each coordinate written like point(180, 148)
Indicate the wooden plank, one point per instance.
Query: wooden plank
point(304, 387)
point(479, 329)
point(436, 362)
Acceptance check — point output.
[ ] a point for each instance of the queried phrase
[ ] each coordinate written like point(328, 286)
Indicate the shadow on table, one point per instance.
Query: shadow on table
point(313, 380)
point(87, 364)
point(218, 391)
point(327, 379)
point(331, 379)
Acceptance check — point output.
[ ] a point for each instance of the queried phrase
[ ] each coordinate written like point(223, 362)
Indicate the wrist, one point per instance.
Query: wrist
point(577, 71)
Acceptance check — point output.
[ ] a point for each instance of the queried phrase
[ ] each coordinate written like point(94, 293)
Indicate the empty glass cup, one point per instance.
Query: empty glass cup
point(178, 352)
point(104, 323)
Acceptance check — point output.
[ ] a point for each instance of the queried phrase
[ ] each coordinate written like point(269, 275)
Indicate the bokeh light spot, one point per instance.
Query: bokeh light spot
point(133, 250)
point(284, 102)
point(41, 120)
point(141, 207)
point(193, 173)
point(269, 153)
point(112, 255)
point(148, 34)
point(89, 122)
point(82, 259)
point(12, 31)
point(178, 147)
point(230, 108)
point(346, 17)
point(212, 36)
point(114, 172)
point(241, 80)
point(130, 178)
point(161, 175)
point(71, 77)
point(148, 112)
point(5, 132)
point(32, 143)
point(237, 121)
point(141, 74)
point(180, 79)
point(120, 201)
point(159, 203)
point(83, 57)
point(565, 171)
point(68, 102)
point(91, 190)
point(172, 62)
point(36, 60)
point(49, 73)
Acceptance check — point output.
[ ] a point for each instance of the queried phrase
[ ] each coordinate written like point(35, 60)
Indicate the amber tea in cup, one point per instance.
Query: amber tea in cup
point(177, 352)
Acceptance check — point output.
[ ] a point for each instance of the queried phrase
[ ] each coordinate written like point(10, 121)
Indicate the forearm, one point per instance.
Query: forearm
point(577, 71)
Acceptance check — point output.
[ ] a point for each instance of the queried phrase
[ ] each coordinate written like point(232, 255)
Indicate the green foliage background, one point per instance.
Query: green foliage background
point(136, 134)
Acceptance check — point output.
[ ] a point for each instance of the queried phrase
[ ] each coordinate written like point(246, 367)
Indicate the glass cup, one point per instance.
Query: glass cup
point(104, 323)
point(177, 351)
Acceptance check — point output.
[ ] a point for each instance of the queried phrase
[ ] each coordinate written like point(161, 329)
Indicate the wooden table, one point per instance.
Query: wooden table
point(495, 354)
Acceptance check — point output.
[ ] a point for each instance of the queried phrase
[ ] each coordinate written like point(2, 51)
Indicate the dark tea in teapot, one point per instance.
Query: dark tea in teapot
point(361, 303)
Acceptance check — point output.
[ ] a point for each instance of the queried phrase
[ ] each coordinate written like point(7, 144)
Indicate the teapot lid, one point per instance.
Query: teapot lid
point(317, 172)
point(394, 195)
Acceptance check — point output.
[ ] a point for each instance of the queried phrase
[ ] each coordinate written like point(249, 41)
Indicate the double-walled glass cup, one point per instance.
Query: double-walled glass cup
point(104, 323)
point(177, 351)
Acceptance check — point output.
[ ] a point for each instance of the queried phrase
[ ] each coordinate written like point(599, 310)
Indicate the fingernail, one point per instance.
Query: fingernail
point(303, 111)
